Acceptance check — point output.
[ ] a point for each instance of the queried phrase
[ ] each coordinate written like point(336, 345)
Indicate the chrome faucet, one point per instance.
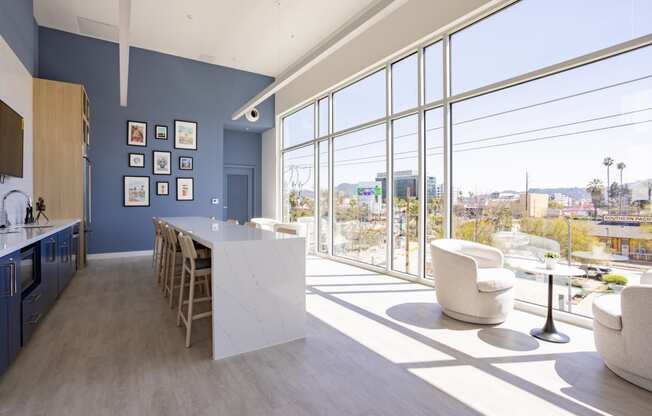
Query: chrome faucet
point(4, 218)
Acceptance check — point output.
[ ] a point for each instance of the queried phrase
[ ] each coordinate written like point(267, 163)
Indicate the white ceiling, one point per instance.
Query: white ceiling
point(263, 36)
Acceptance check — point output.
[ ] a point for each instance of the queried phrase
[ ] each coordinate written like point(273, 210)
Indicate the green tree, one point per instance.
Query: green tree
point(595, 188)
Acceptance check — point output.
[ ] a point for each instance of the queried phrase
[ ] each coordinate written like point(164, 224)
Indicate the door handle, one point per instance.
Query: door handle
point(13, 284)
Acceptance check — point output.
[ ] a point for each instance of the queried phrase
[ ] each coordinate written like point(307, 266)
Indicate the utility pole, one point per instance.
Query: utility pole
point(527, 194)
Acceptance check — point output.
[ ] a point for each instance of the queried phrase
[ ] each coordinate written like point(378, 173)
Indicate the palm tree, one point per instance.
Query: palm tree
point(595, 189)
point(621, 166)
point(607, 162)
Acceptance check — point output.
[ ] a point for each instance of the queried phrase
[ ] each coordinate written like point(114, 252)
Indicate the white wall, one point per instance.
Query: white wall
point(269, 174)
point(410, 23)
point(16, 91)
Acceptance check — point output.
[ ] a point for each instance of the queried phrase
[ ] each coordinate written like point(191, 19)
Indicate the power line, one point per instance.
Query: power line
point(557, 99)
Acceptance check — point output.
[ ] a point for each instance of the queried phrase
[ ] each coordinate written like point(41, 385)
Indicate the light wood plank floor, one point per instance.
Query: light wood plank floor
point(375, 346)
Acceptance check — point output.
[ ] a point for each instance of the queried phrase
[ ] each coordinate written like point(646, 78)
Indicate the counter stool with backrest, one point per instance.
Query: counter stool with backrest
point(192, 269)
point(164, 255)
point(174, 258)
point(158, 241)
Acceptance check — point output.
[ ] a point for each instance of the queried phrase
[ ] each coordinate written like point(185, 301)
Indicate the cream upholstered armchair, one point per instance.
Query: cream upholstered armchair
point(470, 281)
point(622, 328)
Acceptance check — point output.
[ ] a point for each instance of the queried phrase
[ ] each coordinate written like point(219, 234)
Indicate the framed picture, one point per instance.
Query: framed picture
point(162, 163)
point(161, 132)
point(136, 160)
point(162, 188)
point(185, 189)
point(136, 191)
point(136, 133)
point(185, 135)
point(185, 163)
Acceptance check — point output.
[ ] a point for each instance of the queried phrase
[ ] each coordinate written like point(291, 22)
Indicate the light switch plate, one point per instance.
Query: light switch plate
point(215, 201)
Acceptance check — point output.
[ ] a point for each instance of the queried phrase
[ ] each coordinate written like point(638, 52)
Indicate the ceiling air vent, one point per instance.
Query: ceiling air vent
point(97, 29)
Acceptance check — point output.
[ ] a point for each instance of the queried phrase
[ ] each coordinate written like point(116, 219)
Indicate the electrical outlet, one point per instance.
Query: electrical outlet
point(215, 201)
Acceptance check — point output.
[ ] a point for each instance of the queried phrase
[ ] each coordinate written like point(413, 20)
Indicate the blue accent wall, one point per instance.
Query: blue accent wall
point(20, 31)
point(162, 88)
point(242, 148)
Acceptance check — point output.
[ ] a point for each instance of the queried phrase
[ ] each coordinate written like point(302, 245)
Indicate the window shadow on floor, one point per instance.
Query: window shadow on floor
point(429, 316)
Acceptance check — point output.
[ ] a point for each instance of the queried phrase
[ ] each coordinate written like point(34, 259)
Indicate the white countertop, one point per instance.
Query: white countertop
point(16, 237)
point(209, 232)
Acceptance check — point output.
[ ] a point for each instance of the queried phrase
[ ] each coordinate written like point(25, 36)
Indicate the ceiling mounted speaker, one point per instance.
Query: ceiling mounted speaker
point(253, 115)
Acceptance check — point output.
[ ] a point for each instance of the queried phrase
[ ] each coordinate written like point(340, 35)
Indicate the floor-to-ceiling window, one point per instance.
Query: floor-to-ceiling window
point(524, 129)
point(324, 197)
point(299, 189)
point(360, 218)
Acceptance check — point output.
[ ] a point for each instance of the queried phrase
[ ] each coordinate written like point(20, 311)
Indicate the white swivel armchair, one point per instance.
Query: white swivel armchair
point(622, 328)
point(470, 281)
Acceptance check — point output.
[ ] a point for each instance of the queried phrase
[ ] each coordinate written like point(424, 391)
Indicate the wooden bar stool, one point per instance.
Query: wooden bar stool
point(173, 264)
point(192, 269)
point(232, 221)
point(251, 224)
point(165, 255)
point(157, 254)
point(172, 279)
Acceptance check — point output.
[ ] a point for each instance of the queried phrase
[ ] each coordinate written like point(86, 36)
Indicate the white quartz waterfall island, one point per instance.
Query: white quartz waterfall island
point(258, 284)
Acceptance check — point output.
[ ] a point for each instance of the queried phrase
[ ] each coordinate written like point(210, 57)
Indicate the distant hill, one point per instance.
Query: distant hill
point(347, 189)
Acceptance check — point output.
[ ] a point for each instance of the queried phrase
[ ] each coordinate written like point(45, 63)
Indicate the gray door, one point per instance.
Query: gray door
point(239, 194)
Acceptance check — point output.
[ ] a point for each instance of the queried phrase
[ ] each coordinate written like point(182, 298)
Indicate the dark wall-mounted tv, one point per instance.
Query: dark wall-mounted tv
point(11, 142)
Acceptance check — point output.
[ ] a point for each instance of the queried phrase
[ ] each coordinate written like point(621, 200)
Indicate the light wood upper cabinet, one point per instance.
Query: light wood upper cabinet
point(61, 133)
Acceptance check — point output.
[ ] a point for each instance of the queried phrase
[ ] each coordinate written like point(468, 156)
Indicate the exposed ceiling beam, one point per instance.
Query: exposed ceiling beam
point(124, 18)
point(355, 26)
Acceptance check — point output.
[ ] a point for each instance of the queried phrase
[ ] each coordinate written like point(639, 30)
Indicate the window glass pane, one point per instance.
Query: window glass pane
point(405, 84)
point(533, 34)
point(299, 127)
point(406, 195)
point(323, 117)
point(324, 199)
point(533, 161)
point(360, 206)
point(360, 102)
point(434, 180)
point(299, 189)
point(434, 72)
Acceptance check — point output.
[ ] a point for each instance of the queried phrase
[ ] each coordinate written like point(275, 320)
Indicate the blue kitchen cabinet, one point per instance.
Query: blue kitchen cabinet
point(10, 309)
point(66, 266)
point(50, 270)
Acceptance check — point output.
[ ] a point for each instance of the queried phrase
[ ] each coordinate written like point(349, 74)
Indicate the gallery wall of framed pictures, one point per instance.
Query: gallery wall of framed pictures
point(136, 188)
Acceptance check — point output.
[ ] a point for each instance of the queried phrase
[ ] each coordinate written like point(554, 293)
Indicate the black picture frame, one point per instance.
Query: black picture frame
point(124, 193)
point(131, 165)
point(192, 181)
point(129, 141)
point(192, 163)
point(156, 127)
point(154, 172)
point(176, 146)
point(168, 188)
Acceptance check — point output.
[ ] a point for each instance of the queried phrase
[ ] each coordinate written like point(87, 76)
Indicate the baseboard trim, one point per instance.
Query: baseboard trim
point(119, 254)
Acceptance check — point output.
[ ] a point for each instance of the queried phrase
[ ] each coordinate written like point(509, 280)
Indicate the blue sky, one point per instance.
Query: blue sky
point(524, 37)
